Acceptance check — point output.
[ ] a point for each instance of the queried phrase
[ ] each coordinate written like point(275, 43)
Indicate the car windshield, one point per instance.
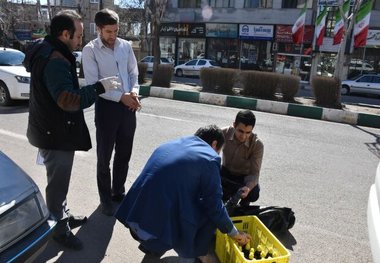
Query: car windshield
point(10, 57)
point(165, 60)
point(213, 63)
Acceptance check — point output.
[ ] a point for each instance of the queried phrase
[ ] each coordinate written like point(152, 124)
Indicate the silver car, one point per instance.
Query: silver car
point(193, 67)
point(14, 79)
point(25, 222)
point(149, 60)
point(373, 217)
point(365, 84)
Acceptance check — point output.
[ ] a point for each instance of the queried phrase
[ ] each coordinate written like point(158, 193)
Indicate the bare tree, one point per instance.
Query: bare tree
point(155, 11)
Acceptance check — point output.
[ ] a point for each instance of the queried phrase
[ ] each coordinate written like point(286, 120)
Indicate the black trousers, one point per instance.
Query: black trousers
point(232, 183)
point(115, 129)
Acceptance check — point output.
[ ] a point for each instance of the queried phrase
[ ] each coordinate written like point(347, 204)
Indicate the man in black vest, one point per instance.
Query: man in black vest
point(56, 122)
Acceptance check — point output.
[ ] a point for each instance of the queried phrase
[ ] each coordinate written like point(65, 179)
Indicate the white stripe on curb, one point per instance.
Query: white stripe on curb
point(272, 106)
point(339, 116)
point(166, 93)
point(209, 98)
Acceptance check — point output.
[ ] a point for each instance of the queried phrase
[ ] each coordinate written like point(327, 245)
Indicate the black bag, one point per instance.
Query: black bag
point(275, 218)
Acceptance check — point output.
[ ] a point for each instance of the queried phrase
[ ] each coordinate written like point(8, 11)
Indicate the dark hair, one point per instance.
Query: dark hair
point(246, 117)
point(106, 17)
point(211, 133)
point(64, 20)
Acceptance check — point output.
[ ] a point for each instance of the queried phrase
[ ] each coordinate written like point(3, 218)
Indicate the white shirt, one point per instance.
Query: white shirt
point(100, 62)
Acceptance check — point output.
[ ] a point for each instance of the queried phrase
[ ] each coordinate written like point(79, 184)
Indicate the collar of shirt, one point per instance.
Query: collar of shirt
point(231, 137)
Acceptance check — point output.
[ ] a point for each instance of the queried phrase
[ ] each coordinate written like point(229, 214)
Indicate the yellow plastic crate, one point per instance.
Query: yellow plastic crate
point(228, 251)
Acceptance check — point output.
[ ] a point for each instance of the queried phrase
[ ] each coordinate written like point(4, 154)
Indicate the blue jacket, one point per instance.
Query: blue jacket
point(178, 197)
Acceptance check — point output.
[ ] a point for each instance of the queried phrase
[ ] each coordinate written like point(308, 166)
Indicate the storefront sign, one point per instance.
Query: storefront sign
point(190, 29)
point(284, 34)
point(333, 2)
point(23, 34)
point(257, 32)
point(221, 30)
point(373, 38)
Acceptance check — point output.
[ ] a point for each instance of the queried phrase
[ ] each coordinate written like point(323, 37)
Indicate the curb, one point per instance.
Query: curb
point(284, 108)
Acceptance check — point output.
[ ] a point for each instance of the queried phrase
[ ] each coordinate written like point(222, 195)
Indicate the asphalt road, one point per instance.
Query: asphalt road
point(322, 170)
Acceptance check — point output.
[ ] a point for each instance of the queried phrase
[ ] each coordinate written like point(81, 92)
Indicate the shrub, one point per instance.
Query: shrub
point(259, 84)
point(288, 85)
point(142, 67)
point(220, 80)
point(326, 91)
point(162, 75)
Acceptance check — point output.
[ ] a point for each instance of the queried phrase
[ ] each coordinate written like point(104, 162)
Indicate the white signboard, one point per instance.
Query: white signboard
point(260, 32)
point(373, 38)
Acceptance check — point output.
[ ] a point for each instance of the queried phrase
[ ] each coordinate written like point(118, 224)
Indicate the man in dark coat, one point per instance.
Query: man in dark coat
point(56, 122)
point(176, 203)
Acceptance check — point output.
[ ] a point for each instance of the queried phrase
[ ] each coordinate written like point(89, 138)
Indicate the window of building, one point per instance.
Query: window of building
point(189, 3)
point(297, 3)
point(376, 5)
point(258, 3)
point(330, 21)
point(222, 3)
point(93, 28)
point(94, 1)
point(189, 48)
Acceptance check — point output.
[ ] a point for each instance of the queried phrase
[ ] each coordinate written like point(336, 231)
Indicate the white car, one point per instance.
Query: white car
point(373, 217)
point(367, 84)
point(78, 58)
point(14, 79)
point(149, 60)
point(25, 222)
point(193, 67)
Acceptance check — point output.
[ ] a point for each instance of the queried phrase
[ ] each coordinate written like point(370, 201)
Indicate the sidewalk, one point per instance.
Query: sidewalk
point(361, 115)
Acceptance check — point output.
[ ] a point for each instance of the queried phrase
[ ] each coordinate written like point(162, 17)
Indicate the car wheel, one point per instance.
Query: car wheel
point(345, 90)
point(179, 73)
point(5, 98)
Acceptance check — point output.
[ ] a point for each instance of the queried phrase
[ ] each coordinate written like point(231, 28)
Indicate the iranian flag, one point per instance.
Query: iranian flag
point(362, 23)
point(339, 23)
point(299, 27)
point(320, 26)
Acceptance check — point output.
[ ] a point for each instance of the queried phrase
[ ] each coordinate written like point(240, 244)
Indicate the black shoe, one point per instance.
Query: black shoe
point(118, 198)
point(68, 240)
point(76, 221)
point(150, 253)
point(107, 209)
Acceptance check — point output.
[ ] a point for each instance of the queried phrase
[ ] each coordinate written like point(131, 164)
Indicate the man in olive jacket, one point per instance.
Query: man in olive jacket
point(56, 122)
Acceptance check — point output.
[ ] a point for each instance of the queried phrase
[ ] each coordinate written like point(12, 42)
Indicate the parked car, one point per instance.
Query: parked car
point(149, 60)
point(25, 222)
point(193, 67)
point(366, 84)
point(14, 79)
point(78, 58)
point(373, 217)
point(358, 65)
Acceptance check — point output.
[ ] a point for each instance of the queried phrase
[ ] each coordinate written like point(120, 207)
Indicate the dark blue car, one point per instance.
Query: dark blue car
point(25, 222)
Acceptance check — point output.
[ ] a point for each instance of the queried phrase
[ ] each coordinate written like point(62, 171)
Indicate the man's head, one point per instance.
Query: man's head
point(107, 24)
point(67, 26)
point(213, 135)
point(244, 123)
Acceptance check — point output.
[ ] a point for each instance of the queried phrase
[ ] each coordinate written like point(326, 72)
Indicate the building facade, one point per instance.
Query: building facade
point(253, 34)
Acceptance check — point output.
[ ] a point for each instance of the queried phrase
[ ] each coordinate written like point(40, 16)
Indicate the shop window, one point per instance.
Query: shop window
point(222, 3)
point(189, 3)
point(189, 48)
point(258, 3)
point(297, 3)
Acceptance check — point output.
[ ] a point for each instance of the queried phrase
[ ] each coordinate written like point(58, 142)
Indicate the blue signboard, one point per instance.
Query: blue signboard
point(23, 34)
point(256, 32)
point(221, 30)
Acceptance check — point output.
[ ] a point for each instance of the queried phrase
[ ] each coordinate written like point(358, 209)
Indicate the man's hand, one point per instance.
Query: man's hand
point(110, 83)
point(244, 191)
point(242, 238)
point(131, 100)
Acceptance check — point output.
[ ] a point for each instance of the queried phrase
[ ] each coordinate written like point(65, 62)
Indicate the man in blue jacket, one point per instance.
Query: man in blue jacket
point(175, 203)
